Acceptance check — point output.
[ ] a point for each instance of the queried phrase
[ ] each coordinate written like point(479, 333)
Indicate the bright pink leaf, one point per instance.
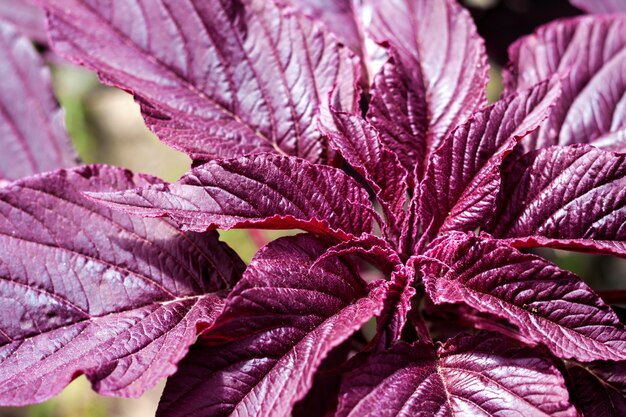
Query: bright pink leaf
point(97, 292)
point(279, 323)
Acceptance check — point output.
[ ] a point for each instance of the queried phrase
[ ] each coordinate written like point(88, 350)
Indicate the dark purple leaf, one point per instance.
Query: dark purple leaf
point(26, 17)
point(370, 247)
point(322, 398)
point(214, 78)
point(599, 387)
point(397, 306)
point(87, 290)
point(359, 144)
point(481, 375)
point(600, 6)
point(435, 79)
point(279, 323)
point(260, 191)
point(548, 305)
point(567, 197)
point(463, 179)
point(589, 53)
point(32, 133)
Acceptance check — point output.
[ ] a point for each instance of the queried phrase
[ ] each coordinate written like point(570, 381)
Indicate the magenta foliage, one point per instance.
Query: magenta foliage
point(415, 197)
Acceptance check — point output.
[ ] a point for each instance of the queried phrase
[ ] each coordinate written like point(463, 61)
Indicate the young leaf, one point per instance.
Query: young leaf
point(279, 323)
point(548, 305)
point(32, 133)
point(96, 292)
point(463, 178)
point(599, 387)
point(435, 80)
point(260, 191)
point(566, 197)
point(359, 144)
point(589, 53)
point(26, 17)
point(214, 78)
point(480, 375)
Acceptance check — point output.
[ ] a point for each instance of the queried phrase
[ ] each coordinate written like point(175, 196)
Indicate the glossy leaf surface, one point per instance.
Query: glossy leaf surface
point(214, 78)
point(463, 179)
point(278, 324)
point(589, 53)
point(435, 80)
point(546, 305)
point(567, 197)
point(263, 191)
point(98, 292)
point(483, 375)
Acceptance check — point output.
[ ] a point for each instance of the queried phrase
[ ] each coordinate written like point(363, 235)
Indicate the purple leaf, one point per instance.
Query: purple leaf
point(480, 375)
point(548, 306)
point(359, 144)
point(435, 79)
point(463, 179)
point(260, 191)
point(568, 197)
point(32, 134)
point(96, 292)
point(397, 306)
point(340, 17)
point(214, 78)
point(600, 6)
point(599, 387)
point(370, 247)
point(26, 17)
point(279, 323)
point(589, 53)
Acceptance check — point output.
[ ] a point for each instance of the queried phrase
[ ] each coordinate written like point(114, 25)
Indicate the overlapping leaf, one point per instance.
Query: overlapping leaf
point(481, 375)
point(462, 180)
point(26, 17)
point(214, 78)
point(359, 143)
point(93, 291)
point(32, 133)
point(590, 55)
point(435, 79)
point(599, 387)
point(546, 304)
point(568, 197)
point(278, 324)
point(263, 191)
